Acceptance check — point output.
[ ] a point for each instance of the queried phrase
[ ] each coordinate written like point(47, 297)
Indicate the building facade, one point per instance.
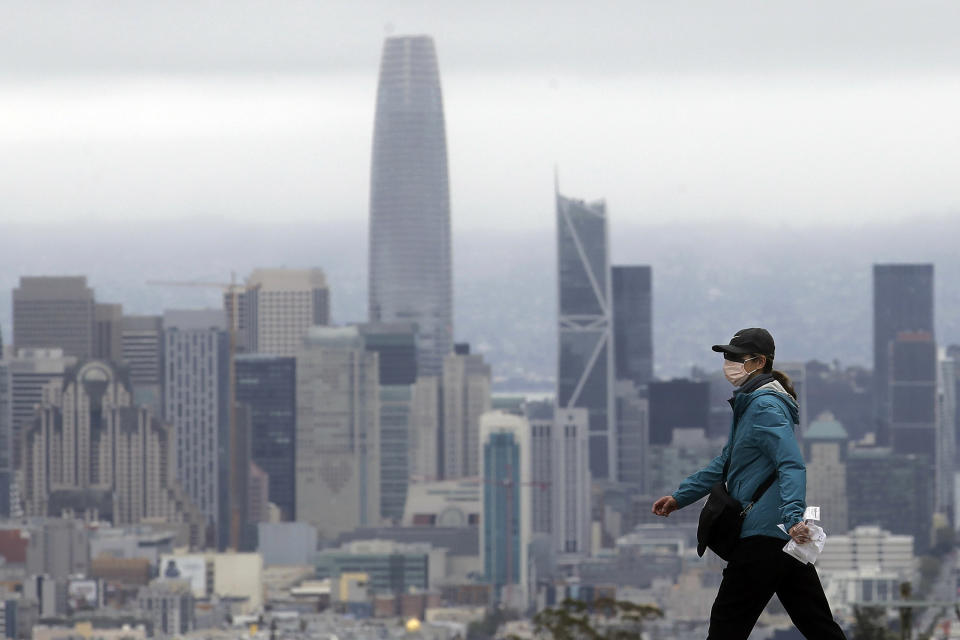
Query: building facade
point(338, 448)
point(169, 604)
point(410, 264)
point(505, 530)
point(91, 452)
point(902, 302)
point(633, 323)
point(825, 452)
point(466, 396)
point(6, 436)
point(54, 312)
point(571, 483)
point(196, 403)
point(141, 350)
point(267, 385)
point(278, 306)
point(585, 376)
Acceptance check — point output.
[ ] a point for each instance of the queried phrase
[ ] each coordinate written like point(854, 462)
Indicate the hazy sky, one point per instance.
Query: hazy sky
point(814, 113)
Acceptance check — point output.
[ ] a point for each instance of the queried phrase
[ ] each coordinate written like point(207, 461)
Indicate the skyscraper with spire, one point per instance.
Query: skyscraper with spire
point(410, 265)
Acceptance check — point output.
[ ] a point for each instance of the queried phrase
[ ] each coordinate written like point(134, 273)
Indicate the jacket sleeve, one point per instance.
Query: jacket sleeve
point(698, 484)
point(773, 430)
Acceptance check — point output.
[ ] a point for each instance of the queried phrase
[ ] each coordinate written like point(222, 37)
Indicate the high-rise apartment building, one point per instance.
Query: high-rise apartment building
point(396, 348)
point(571, 483)
point(466, 396)
point(338, 415)
point(585, 378)
point(902, 302)
point(91, 451)
point(947, 398)
point(278, 306)
point(267, 385)
point(54, 312)
point(196, 402)
point(169, 605)
point(141, 351)
point(633, 323)
point(410, 264)
point(505, 530)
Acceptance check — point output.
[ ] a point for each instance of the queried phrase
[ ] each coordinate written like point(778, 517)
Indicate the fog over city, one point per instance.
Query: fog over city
point(392, 320)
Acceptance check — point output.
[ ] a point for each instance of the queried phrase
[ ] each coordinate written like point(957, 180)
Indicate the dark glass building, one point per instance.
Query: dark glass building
point(913, 394)
point(410, 268)
point(678, 404)
point(902, 302)
point(633, 323)
point(893, 491)
point(267, 385)
point(586, 363)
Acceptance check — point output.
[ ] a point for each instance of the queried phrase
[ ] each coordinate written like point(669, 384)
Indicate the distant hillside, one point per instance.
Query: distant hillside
point(811, 287)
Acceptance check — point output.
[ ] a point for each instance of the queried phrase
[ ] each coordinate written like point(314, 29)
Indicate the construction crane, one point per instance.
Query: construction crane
point(231, 291)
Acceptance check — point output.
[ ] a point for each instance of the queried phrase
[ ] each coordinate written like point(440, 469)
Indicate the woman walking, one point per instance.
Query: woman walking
point(762, 442)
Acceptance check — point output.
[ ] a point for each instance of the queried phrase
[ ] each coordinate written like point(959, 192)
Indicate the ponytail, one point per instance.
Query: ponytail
point(785, 382)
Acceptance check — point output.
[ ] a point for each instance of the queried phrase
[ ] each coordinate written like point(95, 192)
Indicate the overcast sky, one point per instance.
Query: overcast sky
point(813, 113)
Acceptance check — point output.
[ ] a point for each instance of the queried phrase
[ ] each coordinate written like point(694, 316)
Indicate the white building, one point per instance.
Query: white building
point(279, 306)
point(466, 396)
point(338, 430)
point(868, 547)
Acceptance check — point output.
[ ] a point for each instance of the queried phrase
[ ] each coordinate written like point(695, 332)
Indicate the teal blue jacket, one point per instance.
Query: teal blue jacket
point(761, 440)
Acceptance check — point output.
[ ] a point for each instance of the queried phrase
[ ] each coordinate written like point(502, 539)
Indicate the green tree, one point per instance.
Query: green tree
point(870, 623)
point(604, 619)
point(487, 628)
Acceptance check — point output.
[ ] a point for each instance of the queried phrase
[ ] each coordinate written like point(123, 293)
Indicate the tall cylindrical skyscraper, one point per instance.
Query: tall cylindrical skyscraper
point(410, 266)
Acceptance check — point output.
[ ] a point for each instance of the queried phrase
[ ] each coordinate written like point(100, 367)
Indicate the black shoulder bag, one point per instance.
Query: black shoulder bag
point(722, 517)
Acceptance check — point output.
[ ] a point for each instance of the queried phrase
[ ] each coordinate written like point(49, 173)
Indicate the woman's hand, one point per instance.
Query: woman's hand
point(665, 506)
point(800, 532)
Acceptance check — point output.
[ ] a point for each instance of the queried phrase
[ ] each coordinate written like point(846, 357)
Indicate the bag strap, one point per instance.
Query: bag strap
point(762, 489)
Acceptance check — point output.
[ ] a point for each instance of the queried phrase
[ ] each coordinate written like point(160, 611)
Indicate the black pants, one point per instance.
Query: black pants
point(758, 569)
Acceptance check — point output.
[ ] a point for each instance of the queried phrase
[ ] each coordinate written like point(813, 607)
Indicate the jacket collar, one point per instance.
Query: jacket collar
point(751, 385)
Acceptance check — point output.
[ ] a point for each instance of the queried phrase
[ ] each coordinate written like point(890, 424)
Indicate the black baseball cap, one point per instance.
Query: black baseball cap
point(746, 341)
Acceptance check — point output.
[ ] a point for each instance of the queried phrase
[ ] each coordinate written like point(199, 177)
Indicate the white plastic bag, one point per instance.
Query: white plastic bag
point(809, 552)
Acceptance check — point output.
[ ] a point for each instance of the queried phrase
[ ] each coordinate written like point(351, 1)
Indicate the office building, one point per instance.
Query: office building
point(825, 452)
point(338, 416)
point(894, 491)
point(196, 403)
point(585, 376)
point(505, 530)
point(30, 371)
point(946, 454)
point(571, 483)
point(396, 348)
point(107, 332)
point(410, 265)
point(443, 503)
point(541, 416)
point(278, 306)
point(633, 429)
point(267, 385)
point(169, 605)
point(912, 395)
point(92, 453)
point(6, 437)
point(466, 396)
point(902, 302)
point(678, 404)
point(54, 312)
point(425, 415)
point(391, 567)
point(141, 351)
point(633, 323)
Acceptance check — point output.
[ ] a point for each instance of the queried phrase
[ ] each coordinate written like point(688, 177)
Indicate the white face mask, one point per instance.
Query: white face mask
point(736, 372)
